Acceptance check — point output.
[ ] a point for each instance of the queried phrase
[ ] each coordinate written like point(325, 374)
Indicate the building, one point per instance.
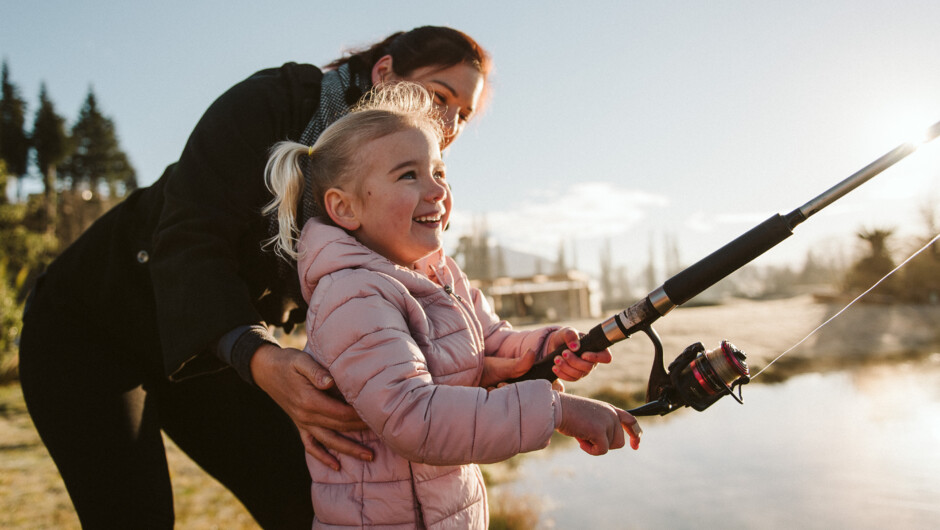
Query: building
point(542, 297)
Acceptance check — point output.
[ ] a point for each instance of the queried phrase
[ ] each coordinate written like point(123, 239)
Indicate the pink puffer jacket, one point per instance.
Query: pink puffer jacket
point(407, 353)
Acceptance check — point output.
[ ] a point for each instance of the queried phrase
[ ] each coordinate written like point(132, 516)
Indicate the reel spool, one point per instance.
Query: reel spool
point(701, 376)
point(697, 377)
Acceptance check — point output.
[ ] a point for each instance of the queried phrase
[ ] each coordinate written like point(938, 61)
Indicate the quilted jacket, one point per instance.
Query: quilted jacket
point(406, 349)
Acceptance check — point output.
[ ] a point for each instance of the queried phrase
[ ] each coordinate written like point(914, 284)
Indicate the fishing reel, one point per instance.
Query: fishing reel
point(697, 378)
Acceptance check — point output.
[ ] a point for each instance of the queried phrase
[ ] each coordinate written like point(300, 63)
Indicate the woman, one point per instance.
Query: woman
point(129, 331)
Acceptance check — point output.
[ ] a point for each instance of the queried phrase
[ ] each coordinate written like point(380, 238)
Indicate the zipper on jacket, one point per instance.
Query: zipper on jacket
point(465, 307)
point(450, 290)
point(467, 313)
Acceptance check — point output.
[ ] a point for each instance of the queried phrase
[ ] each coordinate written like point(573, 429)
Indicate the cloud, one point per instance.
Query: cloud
point(539, 221)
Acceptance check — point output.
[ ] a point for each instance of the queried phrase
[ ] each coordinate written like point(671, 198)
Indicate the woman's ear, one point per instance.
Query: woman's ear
point(382, 70)
point(340, 208)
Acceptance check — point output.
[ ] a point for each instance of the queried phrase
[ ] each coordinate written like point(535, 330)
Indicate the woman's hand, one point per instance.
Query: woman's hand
point(499, 369)
point(569, 366)
point(597, 426)
point(298, 384)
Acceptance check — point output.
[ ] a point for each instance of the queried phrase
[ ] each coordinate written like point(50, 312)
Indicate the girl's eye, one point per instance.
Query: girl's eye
point(411, 175)
point(439, 175)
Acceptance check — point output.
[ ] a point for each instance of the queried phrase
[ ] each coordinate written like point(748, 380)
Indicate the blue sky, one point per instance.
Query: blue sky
point(628, 121)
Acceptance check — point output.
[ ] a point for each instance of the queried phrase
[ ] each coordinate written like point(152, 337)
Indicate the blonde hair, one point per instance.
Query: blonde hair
point(387, 109)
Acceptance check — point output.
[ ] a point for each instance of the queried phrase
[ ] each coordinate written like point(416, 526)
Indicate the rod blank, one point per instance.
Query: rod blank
point(858, 178)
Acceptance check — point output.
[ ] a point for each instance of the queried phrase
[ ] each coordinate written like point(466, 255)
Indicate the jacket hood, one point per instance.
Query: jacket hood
point(326, 248)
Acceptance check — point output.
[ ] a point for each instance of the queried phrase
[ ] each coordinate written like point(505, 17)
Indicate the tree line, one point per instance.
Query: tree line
point(81, 171)
point(824, 273)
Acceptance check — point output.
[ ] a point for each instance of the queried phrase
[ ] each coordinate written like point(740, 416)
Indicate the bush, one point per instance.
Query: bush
point(25, 252)
point(920, 278)
point(11, 312)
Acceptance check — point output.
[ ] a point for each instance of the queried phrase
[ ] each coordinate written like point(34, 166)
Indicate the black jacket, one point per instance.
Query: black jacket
point(179, 264)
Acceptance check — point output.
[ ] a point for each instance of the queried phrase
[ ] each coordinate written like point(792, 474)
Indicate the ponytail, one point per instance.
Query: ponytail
point(284, 178)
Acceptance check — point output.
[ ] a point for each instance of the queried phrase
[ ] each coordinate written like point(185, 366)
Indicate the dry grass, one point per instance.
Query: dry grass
point(33, 496)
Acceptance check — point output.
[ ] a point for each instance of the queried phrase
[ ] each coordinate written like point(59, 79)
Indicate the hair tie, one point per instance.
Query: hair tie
point(310, 151)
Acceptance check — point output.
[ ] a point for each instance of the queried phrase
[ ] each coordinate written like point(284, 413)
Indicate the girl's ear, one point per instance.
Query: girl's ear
point(339, 206)
point(382, 70)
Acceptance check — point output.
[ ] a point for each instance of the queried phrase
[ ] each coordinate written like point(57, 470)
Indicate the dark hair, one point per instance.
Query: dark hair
point(420, 47)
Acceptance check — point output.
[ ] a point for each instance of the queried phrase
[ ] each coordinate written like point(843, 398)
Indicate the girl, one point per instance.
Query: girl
point(402, 332)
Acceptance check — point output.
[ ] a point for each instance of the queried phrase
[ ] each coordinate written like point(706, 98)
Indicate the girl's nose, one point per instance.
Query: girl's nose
point(437, 191)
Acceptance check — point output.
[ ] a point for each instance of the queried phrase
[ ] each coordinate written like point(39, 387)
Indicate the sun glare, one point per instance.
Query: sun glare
point(911, 125)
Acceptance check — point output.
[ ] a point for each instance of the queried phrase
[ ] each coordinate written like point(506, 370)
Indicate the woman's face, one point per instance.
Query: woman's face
point(456, 90)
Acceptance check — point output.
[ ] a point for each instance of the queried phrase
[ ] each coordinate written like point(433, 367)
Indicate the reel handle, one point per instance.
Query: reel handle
point(594, 340)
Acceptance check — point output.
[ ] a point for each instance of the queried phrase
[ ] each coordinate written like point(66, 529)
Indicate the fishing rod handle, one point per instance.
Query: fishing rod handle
point(595, 340)
point(711, 269)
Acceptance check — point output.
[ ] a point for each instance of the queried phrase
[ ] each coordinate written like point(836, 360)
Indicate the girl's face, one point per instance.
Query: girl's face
point(456, 90)
point(400, 198)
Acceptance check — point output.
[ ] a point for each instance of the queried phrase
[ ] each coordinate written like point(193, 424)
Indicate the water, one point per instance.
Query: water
point(851, 449)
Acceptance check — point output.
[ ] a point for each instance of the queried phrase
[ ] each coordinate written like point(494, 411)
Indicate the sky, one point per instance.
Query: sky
point(622, 123)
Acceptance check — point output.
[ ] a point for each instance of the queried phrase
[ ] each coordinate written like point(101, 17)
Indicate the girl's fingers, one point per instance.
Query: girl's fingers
point(603, 357)
point(577, 363)
point(564, 370)
point(632, 426)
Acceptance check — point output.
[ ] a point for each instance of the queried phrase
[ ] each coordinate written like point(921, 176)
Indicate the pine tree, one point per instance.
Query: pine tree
point(650, 274)
point(671, 251)
point(561, 264)
point(624, 287)
point(921, 276)
point(51, 145)
point(607, 271)
point(14, 144)
point(97, 158)
point(501, 270)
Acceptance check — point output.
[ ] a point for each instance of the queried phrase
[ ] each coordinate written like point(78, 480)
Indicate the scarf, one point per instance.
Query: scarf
point(339, 90)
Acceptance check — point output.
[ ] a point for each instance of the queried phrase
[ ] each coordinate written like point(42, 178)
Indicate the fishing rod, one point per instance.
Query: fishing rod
point(698, 377)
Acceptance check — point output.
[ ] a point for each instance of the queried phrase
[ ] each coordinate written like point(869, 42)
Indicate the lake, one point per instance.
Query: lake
point(849, 449)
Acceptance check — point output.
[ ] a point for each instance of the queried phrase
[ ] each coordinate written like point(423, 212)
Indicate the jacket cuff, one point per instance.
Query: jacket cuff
point(237, 347)
point(556, 405)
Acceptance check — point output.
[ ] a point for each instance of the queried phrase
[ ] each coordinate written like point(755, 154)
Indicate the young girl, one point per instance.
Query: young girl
point(403, 333)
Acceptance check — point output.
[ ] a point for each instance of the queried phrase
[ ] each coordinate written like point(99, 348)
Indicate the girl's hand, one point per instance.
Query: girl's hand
point(597, 426)
point(569, 366)
point(298, 384)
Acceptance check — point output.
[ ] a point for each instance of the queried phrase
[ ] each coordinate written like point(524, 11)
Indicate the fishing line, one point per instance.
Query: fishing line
point(850, 304)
